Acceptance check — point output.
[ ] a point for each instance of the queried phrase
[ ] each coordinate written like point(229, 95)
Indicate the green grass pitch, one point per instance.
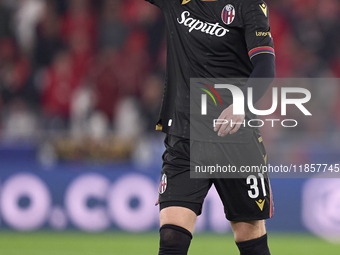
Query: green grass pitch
point(116, 243)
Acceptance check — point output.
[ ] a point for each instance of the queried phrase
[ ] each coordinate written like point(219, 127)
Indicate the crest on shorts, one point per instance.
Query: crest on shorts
point(228, 14)
point(163, 184)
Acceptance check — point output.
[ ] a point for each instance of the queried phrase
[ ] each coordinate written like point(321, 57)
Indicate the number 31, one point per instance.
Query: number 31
point(254, 190)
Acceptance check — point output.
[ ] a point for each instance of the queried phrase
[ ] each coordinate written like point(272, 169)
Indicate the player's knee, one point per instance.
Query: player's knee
point(174, 240)
point(248, 230)
point(257, 246)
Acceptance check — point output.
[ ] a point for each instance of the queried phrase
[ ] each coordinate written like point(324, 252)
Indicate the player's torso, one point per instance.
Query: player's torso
point(207, 37)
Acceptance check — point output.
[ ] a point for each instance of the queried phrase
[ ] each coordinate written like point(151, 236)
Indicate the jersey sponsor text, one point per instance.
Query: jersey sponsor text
point(204, 27)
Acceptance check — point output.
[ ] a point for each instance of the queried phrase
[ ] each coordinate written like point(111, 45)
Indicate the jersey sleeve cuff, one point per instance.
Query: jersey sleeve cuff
point(260, 50)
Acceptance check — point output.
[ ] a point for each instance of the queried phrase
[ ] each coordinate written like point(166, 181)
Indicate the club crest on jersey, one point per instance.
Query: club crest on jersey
point(228, 14)
point(163, 184)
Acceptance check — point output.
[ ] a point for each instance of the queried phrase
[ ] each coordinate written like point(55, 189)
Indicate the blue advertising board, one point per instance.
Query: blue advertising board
point(98, 197)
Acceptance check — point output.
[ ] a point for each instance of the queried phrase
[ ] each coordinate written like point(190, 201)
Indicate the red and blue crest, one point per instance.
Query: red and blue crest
point(228, 14)
point(162, 185)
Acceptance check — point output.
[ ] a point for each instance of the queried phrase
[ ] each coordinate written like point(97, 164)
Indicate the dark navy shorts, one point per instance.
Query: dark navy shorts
point(246, 198)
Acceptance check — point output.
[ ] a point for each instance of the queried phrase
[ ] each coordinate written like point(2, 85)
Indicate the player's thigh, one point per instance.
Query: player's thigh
point(180, 197)
point(248, 197)
point(248, 230)
point(179, 216)
point(176, 187)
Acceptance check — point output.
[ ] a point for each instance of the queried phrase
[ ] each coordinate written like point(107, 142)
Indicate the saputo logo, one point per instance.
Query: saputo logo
point(239, 103)
point(204, 27)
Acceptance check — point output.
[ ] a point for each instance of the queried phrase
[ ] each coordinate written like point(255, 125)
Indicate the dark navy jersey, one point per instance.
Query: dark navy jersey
point(208, 39)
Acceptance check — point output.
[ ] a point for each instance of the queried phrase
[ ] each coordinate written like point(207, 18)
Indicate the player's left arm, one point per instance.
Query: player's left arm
point(261, 52)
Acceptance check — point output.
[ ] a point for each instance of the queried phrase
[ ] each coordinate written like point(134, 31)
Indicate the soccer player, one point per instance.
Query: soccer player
point(213, 39)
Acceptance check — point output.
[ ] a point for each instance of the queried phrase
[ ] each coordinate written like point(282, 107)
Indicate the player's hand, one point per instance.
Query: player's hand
point(229, 127)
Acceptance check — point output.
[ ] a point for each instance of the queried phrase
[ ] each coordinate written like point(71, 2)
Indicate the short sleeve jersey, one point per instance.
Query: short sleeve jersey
point(208, 39)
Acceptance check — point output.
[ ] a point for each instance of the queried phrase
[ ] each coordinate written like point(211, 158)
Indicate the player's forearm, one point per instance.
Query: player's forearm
point(264, 67)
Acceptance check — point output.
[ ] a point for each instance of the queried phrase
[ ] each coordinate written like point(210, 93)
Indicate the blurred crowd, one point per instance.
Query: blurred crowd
point(96, 67)
point(90, 67)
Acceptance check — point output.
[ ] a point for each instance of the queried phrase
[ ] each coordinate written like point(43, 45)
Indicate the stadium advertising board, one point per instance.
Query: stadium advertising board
point(125, 201)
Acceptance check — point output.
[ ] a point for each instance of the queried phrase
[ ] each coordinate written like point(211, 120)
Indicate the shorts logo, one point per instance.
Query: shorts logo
point(260, 203)
point(228, 14)
point(163, 184)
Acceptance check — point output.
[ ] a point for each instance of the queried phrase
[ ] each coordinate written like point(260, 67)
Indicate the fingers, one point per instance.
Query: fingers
point(229, 123)
point(235, 129)
point(230, 126)
point(218, 126)
point(223, 131)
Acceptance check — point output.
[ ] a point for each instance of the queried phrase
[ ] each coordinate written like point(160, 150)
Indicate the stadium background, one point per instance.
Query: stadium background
point(80, 88)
